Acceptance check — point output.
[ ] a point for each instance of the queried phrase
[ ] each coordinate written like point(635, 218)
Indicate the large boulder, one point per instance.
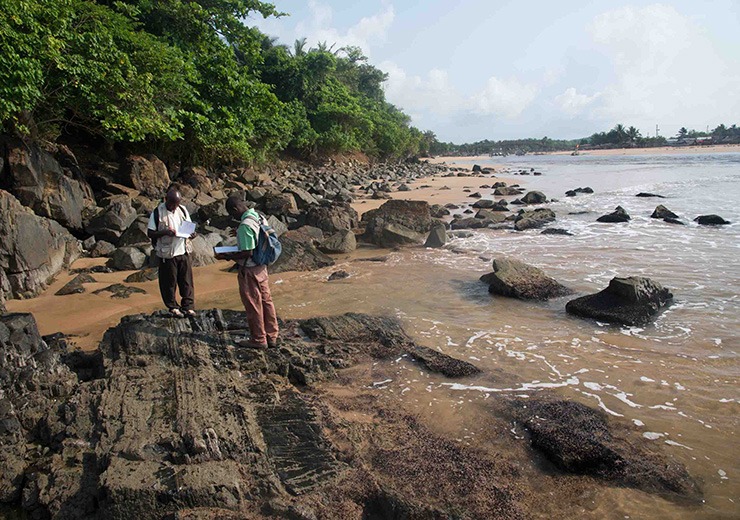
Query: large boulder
point(280, 204)
point(437, 237)
point(342, 242)
point(711, 220)
point(203, 248)
point(626, 301)
point(663, 212)
point(111, 222)
point(136, 233)
point(299, 256)
point(127, 258)
point(533, 219)
point(581, 440)
point(516, 279)
point(534, 197)
point(398, 222)
point(506, 191)
point(310, 234)
point(617, 216)
point(32, 249)
point(39, 182)
point(145, 173)
point(332, 217)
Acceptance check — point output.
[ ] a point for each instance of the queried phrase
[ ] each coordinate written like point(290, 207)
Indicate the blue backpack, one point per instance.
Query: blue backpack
point(268, 246)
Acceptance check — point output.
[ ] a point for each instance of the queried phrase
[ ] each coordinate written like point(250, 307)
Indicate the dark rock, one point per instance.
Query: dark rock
point(102, 249)
point(437, 237)
point(619, 215)
point(570, 193)
point(673, 221)
point(626, 301)
point(39, 182)
point(506, 191)
point(647, 195)
point(338, 275)
point(534, 197)
point(110, 223)
point(584, 190)
point(440, 363)
point(517, 202)
point(663, 212)
point(145, 173)
point(282, 204)
point(32, 249)
point(438, 211)
point(119, 290)
point(74, 286)
point(277, 225)
point(475, 195)
point(299, 256)
point(710, 220)
point(197, 178)
point(136, 233)
point(303, 198)
point(533, 219)
point(127, 258)
point(398, 222)
point(331, 218)
point(341, 243)
point(145, 275)
point(203, 249)
point(579, 439)
point(556, 231)
point(310, 234)
point(491, 215)
point(516, 279)
point(476, 168)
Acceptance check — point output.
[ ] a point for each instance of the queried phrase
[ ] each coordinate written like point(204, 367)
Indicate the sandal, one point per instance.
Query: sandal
point(176, 313)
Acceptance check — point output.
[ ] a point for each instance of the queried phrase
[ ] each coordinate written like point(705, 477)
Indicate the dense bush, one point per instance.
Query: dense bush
point(190, 78)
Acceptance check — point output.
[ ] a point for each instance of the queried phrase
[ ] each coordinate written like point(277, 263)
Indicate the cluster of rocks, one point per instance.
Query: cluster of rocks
point(57, 209)
point(630, 301)
point(663, 213)
point(573, 193)
point(172, 419)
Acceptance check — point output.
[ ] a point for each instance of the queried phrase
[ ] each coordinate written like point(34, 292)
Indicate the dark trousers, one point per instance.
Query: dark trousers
point(173, 273)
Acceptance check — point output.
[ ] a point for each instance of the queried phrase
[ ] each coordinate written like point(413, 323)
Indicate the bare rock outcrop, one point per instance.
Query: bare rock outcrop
point(516, 279)
point(398, 222)
point(32, 249)
point(626, 301)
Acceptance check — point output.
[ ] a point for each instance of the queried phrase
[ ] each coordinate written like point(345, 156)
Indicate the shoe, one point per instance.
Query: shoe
point(176, 313)
point(190, 313)
point(249, 344)
point(273, 344)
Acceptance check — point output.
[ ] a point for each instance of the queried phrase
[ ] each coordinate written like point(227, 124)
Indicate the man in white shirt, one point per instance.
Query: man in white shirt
point(175, 265)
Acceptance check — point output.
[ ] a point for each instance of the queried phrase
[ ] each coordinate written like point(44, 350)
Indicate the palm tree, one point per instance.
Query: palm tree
point(621, 132)
point(682, 132)
point(633, 133)
point(299, 47)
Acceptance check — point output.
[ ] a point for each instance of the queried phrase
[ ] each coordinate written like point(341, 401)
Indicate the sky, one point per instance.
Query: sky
point(474, 69)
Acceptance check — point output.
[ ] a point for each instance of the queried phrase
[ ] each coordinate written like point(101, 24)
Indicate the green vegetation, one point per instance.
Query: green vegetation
point(618, 137)
point(191, 80)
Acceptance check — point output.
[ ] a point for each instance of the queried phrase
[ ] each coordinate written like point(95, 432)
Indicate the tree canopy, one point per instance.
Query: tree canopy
point(191, 78)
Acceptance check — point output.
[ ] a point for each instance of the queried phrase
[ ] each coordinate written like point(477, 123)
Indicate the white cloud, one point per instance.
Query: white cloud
point(504, 97)
point(318, 28)
point(666, 69)
point(572, 103)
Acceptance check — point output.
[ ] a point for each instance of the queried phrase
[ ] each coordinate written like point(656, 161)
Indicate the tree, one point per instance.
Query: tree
point(682, 132)
point(633, 134)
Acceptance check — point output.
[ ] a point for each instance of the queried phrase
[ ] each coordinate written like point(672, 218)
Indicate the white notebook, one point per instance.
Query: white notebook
point(186, 229)
point(225, 249)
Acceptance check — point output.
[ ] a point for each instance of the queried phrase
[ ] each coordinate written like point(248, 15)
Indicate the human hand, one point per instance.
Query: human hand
point(220, 256)
point(195, 234)
point(169, 232)
point(233, 232)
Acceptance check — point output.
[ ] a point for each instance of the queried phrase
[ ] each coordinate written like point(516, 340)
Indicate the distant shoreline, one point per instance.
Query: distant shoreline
point(717, 148)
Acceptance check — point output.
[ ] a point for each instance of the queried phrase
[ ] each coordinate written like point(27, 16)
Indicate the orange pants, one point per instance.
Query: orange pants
point(255, 293)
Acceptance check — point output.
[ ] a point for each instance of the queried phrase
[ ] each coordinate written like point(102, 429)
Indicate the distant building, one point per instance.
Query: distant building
point(688, 141)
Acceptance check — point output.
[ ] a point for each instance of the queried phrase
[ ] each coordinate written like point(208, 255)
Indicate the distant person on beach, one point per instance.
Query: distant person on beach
point(253, 282)
point(173, 252)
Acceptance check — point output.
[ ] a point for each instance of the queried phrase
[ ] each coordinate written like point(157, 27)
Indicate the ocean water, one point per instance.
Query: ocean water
point(675, 381)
